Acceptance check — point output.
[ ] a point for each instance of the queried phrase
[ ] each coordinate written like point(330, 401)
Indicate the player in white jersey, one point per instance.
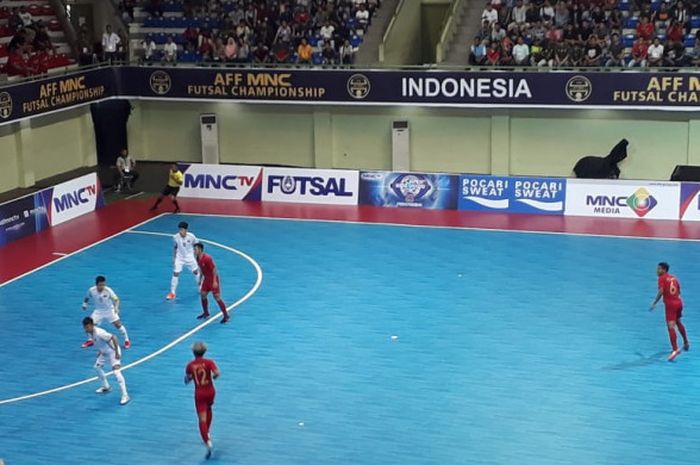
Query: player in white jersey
point(183, 256)
point(108, 353)
point(106, 309)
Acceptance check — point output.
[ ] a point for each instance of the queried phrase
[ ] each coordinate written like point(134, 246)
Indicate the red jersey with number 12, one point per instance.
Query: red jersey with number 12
point(671, 289)
point(201, 370)
point(207, 267)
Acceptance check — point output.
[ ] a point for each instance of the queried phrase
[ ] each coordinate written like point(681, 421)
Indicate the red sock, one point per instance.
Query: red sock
point(674, 338)
point(204, 430)
point(681, 328)
point(209, 417)
point(222, 306)
point(205, 305)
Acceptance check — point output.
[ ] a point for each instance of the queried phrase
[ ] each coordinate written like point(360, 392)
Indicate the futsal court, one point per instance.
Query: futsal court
point(359, 336)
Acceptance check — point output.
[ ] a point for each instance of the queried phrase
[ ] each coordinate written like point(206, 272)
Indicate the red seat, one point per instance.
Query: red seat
point(35, 10)
point(5, 31)
point(5, 13)
point(46, 10)
point(54, 25)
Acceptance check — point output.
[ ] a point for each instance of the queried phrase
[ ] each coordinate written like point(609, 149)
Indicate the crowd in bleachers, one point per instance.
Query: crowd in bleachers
point(588, 33)
point(30, 51)
point(259, 31)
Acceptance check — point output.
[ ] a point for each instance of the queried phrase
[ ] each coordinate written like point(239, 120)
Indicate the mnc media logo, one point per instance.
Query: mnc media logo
point(642, 202)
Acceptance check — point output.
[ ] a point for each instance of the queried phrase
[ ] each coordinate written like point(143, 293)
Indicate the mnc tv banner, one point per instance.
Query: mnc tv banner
point(387, 189)
point(543, 196)
point(225, 182)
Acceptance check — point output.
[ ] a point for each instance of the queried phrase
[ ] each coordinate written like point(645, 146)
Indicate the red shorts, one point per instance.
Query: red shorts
point(203, 400)
point(674, 311)
point(210, 286)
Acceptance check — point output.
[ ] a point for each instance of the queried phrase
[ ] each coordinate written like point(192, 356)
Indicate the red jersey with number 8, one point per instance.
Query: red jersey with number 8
point(671, 290)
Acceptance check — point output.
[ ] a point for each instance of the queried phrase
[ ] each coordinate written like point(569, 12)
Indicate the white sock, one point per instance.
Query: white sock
point(102, 376)
point(122, 382)
point(173, 284)
point(122, 330)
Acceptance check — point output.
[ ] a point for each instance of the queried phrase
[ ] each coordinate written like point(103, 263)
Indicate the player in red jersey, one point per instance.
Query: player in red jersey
point(203, 372)
point(670, 290)
point(209, 282)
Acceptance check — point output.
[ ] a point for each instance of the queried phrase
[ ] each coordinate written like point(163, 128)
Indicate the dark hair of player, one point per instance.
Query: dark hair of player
point(664, 266)
point(183, 225)
point(100, 279)
point(200, 246)
point(199, 349)
point(88, 321)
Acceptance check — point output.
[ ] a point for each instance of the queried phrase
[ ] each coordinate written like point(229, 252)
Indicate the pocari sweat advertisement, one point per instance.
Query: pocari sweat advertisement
point(543, 196)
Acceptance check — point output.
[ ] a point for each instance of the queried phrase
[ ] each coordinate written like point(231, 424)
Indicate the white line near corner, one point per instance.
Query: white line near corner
point(174, 342)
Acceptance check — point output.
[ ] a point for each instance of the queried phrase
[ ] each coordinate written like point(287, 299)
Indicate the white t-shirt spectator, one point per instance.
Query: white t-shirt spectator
point(489, 15)
point(519, 14)
point(170, 50)
point(656, 51)
point(149, 48)
point(110, 42)
point(26, 18)
point(327, 32)
point(520, 53)
point(362, 16)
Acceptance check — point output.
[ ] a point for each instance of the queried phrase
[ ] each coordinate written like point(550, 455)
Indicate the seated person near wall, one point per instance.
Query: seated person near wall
point(126, 175)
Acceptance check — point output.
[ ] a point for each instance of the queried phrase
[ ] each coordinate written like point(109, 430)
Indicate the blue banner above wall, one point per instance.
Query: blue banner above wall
point(621, 89)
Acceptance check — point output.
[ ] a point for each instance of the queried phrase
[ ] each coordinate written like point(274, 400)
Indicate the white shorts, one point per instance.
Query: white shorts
point(108, 359)
point(182, 262)
point(104, 316)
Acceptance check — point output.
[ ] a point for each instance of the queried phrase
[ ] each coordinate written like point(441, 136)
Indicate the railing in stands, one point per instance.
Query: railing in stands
point(389, 30)
point(448, 29)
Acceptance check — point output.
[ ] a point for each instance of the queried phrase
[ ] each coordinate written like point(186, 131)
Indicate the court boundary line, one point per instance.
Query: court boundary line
point(437, 226)
point(82, 249)
point(174, 342)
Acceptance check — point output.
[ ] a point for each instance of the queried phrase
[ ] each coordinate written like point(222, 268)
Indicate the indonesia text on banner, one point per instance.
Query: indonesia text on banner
point(225, 182)
point(543, 196)
point(387, 189)
point(623, 199)
point(331, 187)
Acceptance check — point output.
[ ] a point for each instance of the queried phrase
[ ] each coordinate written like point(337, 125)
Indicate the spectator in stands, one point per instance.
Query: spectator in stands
point(518, 15)
point(17, 64)
point(126, 174)
point(362, 17)
point(695, 55)
point(616, 52)
point(122, 50)
point(25, 16)
point(110, 43)
point(493, 55)
point(261, 54)
point(592, 53)
point(489, 15)
point(327, 32)
point(42, 41)
point(655, 53)
point(86, 55)
point(170, 51)
point(676, 55)
point(675, 31)
point(231, 50)
point(576, 54)
point(645, 29)
point(251, 16)
point(682, 15)
point(14, 22)
point(640, 50)
point(284, 33)
point(243, 52)
point(347, 53)
point(561, 54)
point(547, 12)
point(477, 51)
point(328, 54)
point(562, 17)
point(126, 7)
point(207, 47)
point(497, 33)
point(305, 52)
point(521, 52)
point(662, 18)
point(242, 31)
point(191, 36)
point(149, 49)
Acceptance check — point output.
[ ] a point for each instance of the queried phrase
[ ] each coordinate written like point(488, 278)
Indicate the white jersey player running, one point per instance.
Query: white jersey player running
point(108, 353)
point(183, 256)
point(106, 309)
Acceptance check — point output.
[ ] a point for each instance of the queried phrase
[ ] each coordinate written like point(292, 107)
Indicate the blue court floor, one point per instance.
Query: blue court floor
point(509, 348)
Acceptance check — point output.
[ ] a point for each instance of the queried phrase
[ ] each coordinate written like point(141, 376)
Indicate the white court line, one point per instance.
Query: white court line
point(34, 270)
point(60, 254)
point(175, 341)
point(458, 228)
point(133, 196)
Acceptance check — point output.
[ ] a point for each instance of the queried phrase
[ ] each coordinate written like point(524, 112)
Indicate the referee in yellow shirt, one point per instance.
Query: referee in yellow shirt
point(175, 180)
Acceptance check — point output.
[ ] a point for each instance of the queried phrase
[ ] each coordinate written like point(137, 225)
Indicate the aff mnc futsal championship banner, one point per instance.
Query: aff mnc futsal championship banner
point(613, 89)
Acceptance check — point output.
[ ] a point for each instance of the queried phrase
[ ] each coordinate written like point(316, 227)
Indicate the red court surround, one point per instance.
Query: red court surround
point(31, 252)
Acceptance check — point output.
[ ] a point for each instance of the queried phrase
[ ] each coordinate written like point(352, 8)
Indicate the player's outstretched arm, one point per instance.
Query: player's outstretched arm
point(659, 294)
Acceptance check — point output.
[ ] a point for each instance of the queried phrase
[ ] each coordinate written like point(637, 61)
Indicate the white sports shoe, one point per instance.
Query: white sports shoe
point(124, 400)
point(103, 389)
